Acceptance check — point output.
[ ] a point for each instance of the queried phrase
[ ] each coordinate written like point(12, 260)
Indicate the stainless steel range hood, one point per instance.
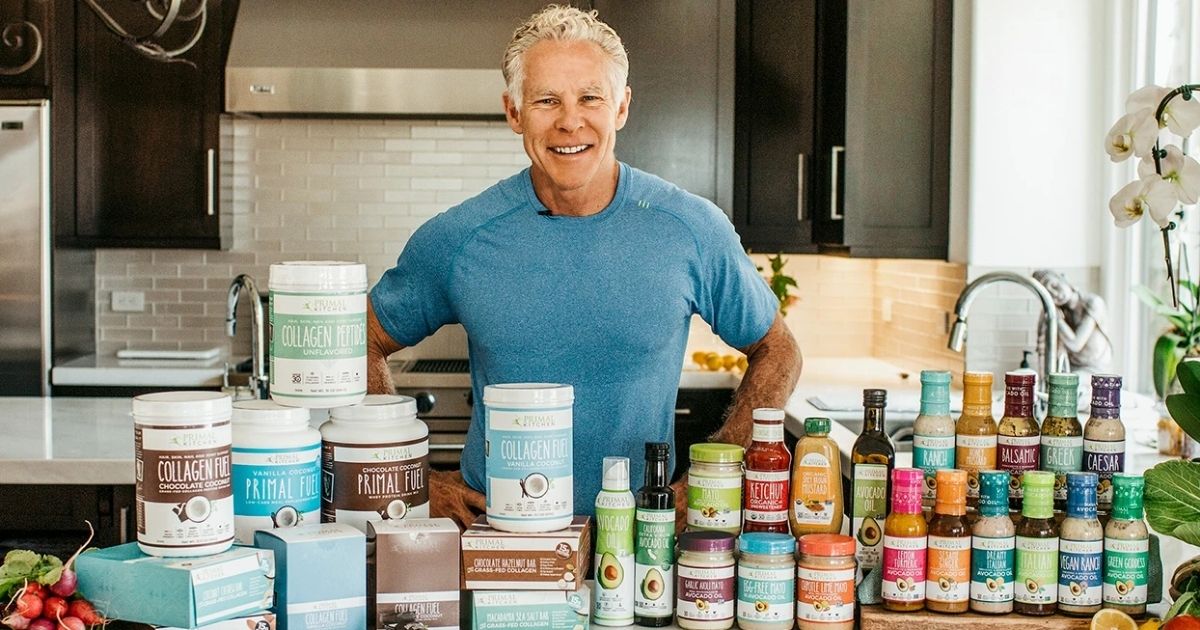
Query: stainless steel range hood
point(373, 57)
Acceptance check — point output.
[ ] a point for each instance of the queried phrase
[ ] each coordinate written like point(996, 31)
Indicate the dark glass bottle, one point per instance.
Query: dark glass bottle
point(872, 459)
point(1018, 443)
point(654, 541)
point(1037, 548)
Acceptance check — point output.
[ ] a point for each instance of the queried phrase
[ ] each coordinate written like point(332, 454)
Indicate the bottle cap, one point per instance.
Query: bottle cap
point(1081, 494)
point(951, 492)
point(993, 492)
point(977, 388)
point(767, 544)
point(1038, 486)
point(269, 413)
point(826, 545)
point(715, 453)
point(907, 484)
point(770, 414)
point(616, 474)
point(1064, 395)
point(706, 542)
point(1127, 496)
point(816, 426)
point(935, 393)
point(658, 451)
point(378, 408)
point(1022, 379)
point(1106, 396)
point(1018, 394)
point(875, 398)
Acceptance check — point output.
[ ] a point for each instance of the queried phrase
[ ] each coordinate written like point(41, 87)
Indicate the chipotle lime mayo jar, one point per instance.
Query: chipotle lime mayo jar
point(825, 582)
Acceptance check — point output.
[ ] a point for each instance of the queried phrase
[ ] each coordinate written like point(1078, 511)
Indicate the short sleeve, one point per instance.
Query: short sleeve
point(412, 299)
point(733, 298)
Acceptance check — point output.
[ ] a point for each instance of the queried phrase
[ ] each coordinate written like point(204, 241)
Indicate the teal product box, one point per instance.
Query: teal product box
point(320, 576)
point(261, 621)
point(522, 610)
point(125, 583)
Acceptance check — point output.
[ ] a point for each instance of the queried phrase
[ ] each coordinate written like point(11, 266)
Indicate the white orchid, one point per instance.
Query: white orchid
point(1181, 170)
point(1134, 134)
point(1150, 195)
point(1181, 116)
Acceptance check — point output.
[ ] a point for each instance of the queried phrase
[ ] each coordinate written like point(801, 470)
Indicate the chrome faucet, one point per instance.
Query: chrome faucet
point(958, 332)
point(258, 369)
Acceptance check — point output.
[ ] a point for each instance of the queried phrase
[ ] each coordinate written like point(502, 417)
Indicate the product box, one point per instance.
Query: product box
point(550, 561)
point(320, 577)
point(125, 583)
point(523, 610)
point(262, 621)
point(417, 570)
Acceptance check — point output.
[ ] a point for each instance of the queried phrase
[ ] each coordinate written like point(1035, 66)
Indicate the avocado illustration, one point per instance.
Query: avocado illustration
point(610, 574)
point(868, 533)
point(902, 584)
point(1076, 589)
point(1031, 585)
point(945, 583)
point(652, 586)
point(1121, 588)
point(701, 604)
point(761, 606)
point(992, 585)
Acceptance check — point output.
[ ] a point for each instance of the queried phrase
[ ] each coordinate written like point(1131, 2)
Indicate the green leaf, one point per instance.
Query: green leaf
point(1148, 297)
point(1166, 358)
point(1177, 608)
point(19, 562)
point(1172, 499)
point(50, 577)
point(1189, 377)
point(1185, 410)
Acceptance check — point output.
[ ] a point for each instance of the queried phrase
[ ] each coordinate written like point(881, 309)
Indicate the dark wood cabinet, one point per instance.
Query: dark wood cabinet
point(842, 127)
point(25, 42)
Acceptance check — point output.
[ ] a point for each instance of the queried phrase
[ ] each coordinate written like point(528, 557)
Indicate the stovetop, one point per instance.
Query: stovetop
point(440, 366)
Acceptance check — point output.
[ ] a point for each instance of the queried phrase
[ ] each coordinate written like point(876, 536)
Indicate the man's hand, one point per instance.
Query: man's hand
point(680, 488)
point(451, 497)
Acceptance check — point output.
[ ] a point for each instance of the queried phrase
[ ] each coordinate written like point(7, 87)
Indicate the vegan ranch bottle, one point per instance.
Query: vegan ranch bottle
point(768, 466)
point(975, 440)
point(992, 544)
point(374, 462)
point(1126, 548)
point(183, 485)
point(905, 544)
point(613, 603)
point(1080, 549)
point(1018, 441)
point(714, 490)
point(1104, 437)
point(816, 501)
point(654, 545)
point(705, 594)
point(318, 333)
point(766, 581)
point(933, 432)
point(1037, 547)
point(1062, 434)
point(276, 468)
point(529, 456)
point(871, 462)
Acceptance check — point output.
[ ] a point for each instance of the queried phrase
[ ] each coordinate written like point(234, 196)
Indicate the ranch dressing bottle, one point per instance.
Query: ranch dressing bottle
point(933, 432)
point(613, 605)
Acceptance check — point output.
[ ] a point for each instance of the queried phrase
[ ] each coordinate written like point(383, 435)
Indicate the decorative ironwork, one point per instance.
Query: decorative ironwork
point(12, 38)
point(167, 13)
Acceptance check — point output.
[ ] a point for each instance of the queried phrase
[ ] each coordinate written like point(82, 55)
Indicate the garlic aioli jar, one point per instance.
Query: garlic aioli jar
point(766, 581)
point(706, 588)
point(183, 485)
point(276, 468)
point(374, 462)
point(318, 333)
point(529, 456)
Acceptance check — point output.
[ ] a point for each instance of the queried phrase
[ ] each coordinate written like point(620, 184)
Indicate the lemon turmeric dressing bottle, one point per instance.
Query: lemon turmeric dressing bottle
point(975, 432)
point(872, 460)
point(904, 544)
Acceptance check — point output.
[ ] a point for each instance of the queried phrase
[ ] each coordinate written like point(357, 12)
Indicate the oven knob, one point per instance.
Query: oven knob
point(425, 402)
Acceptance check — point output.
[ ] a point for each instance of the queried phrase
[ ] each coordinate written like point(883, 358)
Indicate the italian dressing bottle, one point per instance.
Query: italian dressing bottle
point(933, 432)
point(1037, 547)
point(613, 605)
point(992, 547)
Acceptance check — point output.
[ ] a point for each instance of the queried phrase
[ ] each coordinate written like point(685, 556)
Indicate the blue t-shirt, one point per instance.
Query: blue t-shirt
point(602, 303)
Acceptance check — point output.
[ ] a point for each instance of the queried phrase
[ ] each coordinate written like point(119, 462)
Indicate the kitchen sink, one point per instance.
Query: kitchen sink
point(899, 429)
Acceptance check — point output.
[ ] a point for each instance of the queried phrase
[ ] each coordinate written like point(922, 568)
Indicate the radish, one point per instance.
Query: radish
point(41, 624)
point(72, 623)
point(65, 586)
point(16, 622)
point(33, 588)
point(86, 613)
point(54, 607)
point(29, 606)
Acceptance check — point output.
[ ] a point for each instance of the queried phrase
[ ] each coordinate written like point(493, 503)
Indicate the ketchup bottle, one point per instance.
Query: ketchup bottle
point(768, 475)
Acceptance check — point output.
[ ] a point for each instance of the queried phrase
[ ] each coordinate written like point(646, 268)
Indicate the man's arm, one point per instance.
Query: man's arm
point(774, 367)
point(380, 346)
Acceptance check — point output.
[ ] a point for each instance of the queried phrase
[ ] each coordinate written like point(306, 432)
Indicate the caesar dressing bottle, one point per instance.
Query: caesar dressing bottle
point(1062, 435)
point(1080, 549)
point(613, 605)
point(654, 556)
point(1104, 437)
point(872, 460)
point(975, 439)
point(933, 432)
point(1018, 441)
point(1126, 548)
point(992, 546)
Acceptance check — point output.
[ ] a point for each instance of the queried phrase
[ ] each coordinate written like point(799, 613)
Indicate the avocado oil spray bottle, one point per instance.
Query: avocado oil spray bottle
point(614, 546)
point(654, 564)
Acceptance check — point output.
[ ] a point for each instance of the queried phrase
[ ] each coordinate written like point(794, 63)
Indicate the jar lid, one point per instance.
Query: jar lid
point(767, 544)
point(317, 275)
point(706, 542)
point(935, 377)
point(827, 545)
point(716, 453)
point(767, 413)
point(377, 408)
point(528, 394)
point(182, 407)
point(816, 426)
point(269, 412)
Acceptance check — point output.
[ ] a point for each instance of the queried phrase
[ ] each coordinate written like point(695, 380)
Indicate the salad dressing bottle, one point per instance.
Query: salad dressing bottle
point(872, 460)
point(948, 585)
point(975, 439)
point(1126, 548)
point(933, 432)
point(1062, 435)
point(992, 547)
point(1104, 437)
point(1018, 443)
point(816, 501)
point(1037, 548)
point(1080, 549)
point(905, 544)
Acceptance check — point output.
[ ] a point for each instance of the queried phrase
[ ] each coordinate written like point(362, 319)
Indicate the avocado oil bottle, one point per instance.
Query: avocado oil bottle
point(614, 560)
point(654, 541)
point(871, 462)
point(1037, 547)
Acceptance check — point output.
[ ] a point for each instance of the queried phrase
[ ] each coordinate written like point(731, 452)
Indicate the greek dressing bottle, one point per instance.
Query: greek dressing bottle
point(948, 585)
point(613, 602)
point(904, 544)
point(933, 432)
point(654, 545)
point(1062, 434)
point(1126, 548)
point(1104, 437)
point(1037, 547)
point(1018, 443)
point(871, 462)
point(766, 581)
point(816, 501)
point(975, 439)
point(1080, 549)
point(992, 547)
point(768, 467)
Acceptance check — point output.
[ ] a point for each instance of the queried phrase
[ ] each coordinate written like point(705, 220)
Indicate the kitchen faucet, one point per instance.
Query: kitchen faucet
point(958, 332)
point(258, 375)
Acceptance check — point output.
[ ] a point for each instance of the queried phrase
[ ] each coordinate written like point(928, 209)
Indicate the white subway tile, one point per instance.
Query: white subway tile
point(436, 183)
point(404, 144)
point(419, 131)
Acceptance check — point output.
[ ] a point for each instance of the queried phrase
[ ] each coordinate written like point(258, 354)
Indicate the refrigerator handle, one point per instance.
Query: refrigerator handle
point(210, 175)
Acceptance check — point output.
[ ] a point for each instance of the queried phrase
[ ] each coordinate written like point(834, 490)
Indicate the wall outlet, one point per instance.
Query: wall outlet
point(128, 301)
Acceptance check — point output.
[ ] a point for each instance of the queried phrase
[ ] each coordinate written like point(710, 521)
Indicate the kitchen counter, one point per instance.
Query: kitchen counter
point(109, 371)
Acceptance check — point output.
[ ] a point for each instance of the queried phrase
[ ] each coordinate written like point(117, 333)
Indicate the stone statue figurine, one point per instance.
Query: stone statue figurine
point(1081, 320)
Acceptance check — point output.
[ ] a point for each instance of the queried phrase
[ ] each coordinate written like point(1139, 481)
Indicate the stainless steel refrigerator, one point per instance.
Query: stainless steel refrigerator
point(24, 247)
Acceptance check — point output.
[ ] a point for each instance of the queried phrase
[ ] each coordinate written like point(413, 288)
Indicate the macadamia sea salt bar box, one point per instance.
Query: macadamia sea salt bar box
point(417, 570)
point(525, 610)
point(548, 561)
point(320, 576)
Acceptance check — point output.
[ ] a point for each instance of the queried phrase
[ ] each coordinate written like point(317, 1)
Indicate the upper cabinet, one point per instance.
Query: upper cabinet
point(842, 132)
point(25, 48)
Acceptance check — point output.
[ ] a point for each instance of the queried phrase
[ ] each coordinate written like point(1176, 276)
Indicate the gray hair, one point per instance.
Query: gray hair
point(563, 24)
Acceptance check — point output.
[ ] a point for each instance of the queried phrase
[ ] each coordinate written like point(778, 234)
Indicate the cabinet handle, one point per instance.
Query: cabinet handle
point(836, 157)
point(209, 197)
point(800, 187)
point(123, 526)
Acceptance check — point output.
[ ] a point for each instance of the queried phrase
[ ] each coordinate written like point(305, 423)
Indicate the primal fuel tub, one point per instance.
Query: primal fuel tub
point(529, 456)
point(318, 333)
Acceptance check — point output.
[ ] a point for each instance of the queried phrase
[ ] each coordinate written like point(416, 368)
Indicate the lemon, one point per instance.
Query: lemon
point(728, 361)
point(743, 363)
point(699, 357)
point(1150, 624)
point(713, 361)
point(1110, 619)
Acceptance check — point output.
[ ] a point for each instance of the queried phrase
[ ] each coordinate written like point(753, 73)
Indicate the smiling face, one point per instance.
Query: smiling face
point(568, 119)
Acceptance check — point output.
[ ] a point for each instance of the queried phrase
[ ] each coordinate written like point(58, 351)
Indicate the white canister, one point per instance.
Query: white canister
point(374, 462)
point(529, 453)
point(182, 457)
point(318, 333)
point(276, 468)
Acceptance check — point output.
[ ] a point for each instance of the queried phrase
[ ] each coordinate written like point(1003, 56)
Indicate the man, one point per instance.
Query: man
point(580, 270)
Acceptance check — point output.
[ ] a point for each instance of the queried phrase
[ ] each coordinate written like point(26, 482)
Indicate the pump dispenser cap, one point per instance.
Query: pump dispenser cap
point(616, 474)
point(658, 451)
point(874, 398)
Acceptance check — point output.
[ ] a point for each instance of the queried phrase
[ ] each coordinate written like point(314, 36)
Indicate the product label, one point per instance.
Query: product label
point(767, 432)
point(183, 485)
point(815, 494)
point(374, 482)
point(706, 593)
point(1017, 455)
point(329, 614)
point(318, 344)
point(1079, 567)
point(765, 595)
point(767, 496)
point(931, 454)
point(904, 568)
point(1126, 571)
point(824, 595)
point(714, 502)
point(949, 578)
point(1104, 458)
point(654, 563)
point(992, 568)
point(975, 453)
point(1037, 570)
point(614, 560)
point(1061, 455)
point(870, 508)
point(434, 609)
point(529, 458)
point(274, 488)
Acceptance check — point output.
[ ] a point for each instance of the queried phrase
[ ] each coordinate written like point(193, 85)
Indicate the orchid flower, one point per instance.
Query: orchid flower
point(1181, 170)
point(1180, 116)
point(1153, 195)
point(1134, 134)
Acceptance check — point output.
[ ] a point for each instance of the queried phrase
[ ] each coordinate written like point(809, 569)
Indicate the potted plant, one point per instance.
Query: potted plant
point(1181, 339)
point(781, 284)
